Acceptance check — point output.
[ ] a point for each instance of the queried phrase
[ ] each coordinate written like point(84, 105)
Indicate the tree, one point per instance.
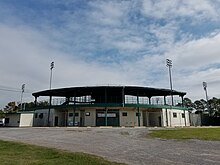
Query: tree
point(199, 105)
point(28, 106)
point(214, 106)
point(31, 105)
point(43, 103)
point(187, 102)
point(2, 114)
point(11, 107)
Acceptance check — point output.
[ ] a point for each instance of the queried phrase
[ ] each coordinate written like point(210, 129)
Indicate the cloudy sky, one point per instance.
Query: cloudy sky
point(99, 42)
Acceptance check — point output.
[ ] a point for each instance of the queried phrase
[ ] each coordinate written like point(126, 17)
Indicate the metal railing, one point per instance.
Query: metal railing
point(114, 100)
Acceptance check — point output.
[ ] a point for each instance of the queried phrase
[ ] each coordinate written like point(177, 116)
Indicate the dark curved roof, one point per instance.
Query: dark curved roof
point(111, 90)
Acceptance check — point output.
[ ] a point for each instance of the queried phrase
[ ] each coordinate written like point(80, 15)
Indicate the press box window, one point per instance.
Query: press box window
point(77, 114)
point(124, 114)
point(174, 114)
point(70, 114)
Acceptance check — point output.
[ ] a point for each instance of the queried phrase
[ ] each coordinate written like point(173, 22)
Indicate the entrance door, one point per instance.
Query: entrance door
point(160, 121)
point(56, 121)
point(112, 117)
point(82, 118)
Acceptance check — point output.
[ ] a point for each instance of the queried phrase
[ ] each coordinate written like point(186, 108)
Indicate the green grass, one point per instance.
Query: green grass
point(13, 153)
point(187, 133)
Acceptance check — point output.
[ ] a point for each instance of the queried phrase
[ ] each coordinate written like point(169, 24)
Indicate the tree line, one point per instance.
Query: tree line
point(13, 107)
point(212, 106)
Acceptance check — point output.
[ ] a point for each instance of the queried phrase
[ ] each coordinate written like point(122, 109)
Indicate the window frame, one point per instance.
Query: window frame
point(174, 115)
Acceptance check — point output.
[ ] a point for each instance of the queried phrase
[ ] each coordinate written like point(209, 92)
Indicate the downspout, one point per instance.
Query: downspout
point(166, 112)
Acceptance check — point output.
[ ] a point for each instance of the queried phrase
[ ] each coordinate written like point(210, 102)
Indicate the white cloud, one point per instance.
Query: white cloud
point(130, 43)
point(171, 9)
point(108, 12)
point(197, 61)
point(196, 54)
point(26, 57)
point(164, 35)
point(110, 42)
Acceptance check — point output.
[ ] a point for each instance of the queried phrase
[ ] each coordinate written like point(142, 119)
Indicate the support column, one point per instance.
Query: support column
point(149, 99)
point(167, 118)
point(48, 119)
point(165, 102)
point(74, 110)
point(182, 101)
point(184, 109)
point(35, 102)
point(67, 100)
point(123, 96)
point(185, 116)
point(139, 122)
point(106, 110)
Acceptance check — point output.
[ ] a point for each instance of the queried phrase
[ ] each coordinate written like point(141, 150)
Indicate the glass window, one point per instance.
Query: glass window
point(138, 113)
point(183, 115)
point(41, 115)
point(87, 113)
point(174, 114)
point(124, 114)
point(76, 114)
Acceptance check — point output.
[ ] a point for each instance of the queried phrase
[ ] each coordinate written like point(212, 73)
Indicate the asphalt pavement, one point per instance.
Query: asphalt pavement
point(127, 145)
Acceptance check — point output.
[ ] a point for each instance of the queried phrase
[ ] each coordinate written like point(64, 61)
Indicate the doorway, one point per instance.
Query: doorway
point(56, 121)
point(112, 117)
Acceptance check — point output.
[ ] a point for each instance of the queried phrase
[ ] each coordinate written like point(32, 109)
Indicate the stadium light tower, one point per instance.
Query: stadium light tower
point(51, 72)
point(22, 91)
point(169, 65)
point(206, 95)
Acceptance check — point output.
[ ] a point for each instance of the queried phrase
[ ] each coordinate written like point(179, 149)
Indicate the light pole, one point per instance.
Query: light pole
point(169, 65)
point(206, 95)
point(22, 91)
point(51, 72)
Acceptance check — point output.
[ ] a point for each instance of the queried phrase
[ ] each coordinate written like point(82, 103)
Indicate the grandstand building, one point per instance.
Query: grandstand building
point(127, 106)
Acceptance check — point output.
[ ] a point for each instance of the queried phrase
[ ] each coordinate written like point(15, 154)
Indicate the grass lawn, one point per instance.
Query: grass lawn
point(13, 153)
point(187, 133)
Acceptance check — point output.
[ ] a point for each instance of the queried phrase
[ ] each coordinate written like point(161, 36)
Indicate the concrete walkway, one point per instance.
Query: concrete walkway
point(126, 145)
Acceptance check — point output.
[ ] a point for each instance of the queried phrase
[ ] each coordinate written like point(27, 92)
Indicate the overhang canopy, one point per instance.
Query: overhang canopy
point(110, 90)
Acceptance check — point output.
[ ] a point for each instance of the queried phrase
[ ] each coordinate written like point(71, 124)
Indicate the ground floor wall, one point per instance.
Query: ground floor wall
point(26, 120)
point(19, 120)
point(112, 116)
point(12, 120)
point(175, 118)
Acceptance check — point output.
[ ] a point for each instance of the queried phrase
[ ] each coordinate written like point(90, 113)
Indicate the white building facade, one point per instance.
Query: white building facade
point(20, 119)
point(128, 106)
